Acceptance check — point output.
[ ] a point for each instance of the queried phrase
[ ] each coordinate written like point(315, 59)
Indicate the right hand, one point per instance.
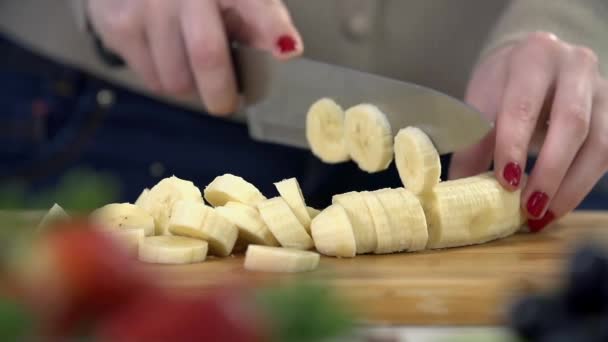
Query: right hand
point(178, 47)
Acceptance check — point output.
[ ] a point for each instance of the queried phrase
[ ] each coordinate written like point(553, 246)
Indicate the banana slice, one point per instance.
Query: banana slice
point(198, 221)
point(360, 218)
point(172, 250)
point(382, 226)
point(247, 219)
point(399, 217)
point(55, 215)
point(142, 197)
point(279, 259)
point(124, 216)
point(129, 238)
point(290, 191)
point(312, 212)
point(333, 234)
point(369, 139)
point(417, 160)
point(417, 220)
point(325, 131)
point(231, 188)
point(159, 201)
point(471, 210)
point(284, 224)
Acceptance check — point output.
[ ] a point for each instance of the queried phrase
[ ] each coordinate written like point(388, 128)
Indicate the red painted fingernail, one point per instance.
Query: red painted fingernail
point(512, 174)
point(537, 203)
point(540, 224)
point(286, 44)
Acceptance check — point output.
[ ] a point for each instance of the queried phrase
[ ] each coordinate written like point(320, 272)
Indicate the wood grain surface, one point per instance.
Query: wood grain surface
point(460, 286)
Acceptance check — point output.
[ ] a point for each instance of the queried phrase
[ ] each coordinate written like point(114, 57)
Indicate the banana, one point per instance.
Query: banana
point(290, 191)
point(360, 218)
point(279, 259)
point(172, 250)
point(142, 197)
point(312, 212)
point(124, 216)
point(399, 217)
point(159, 201)
point(252, 229)
point(325, 131)
point(196, 220)
point(129, 238)
point(55, 215)
point(385, 242)
point(284, 224)
point(369, 139)
point(471, 210)
point(231, 188)
point(417, 220)
point(333, 234)
point(417, 160)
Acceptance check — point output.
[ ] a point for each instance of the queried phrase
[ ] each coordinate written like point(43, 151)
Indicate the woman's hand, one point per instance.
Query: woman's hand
point(544, 90)
point(181, 46)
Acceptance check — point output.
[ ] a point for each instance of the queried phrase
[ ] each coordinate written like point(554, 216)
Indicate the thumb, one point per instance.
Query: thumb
point(265, 25)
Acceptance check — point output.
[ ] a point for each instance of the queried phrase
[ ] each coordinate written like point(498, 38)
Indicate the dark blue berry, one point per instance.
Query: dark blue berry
point(586, 291)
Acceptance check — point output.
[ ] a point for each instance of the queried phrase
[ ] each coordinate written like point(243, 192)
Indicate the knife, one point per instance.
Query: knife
point(277, 95)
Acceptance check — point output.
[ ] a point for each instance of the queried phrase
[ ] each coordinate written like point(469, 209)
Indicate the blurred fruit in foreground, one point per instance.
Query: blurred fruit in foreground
point(586, 290)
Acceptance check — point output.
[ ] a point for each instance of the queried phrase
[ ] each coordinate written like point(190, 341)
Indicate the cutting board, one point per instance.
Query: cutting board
point(459, 286)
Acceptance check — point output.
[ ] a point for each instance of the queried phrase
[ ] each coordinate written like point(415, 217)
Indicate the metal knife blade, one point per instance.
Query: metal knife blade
point(278, 94)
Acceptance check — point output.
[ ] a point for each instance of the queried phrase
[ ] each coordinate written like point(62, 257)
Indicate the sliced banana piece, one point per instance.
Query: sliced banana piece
point(231, 188)
point(252, 229)
point(333, 234)
point(196, 220)
point(55, 215)
point(412, 207)
point(400, 218)
point(129, 238)
point(470, 211)
point(325, 131)
point(280, 259)
point(172, 250)
point(284, 224)
point(312, 212)
point(161, 197)
point(369, 139)
point(124, 216)
point(417, 160)
point(142, 197)
point(290, 191)
point(360, 218)
point(382, 226)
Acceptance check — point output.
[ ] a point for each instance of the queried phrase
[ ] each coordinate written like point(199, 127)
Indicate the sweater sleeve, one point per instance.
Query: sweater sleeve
point(581, 22)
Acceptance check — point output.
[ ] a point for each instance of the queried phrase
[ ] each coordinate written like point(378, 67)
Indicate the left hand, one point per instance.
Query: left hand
point(523, 87)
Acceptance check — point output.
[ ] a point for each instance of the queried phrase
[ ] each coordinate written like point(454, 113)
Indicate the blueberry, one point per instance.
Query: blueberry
point(586, 289)
point(535, 315)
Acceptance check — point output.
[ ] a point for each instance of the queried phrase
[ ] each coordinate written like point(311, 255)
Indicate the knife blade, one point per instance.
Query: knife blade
point(277, 95)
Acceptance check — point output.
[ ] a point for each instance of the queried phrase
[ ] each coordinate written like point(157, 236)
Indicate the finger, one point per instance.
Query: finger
point(168, 48)
point(568, 129)
point(209, 56)
point(531, 73)
point(264, 25)
point(588, 167)
point(485, 94)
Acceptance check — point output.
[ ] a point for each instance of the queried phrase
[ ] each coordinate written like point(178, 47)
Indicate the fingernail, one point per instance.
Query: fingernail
point(286, 44)
point(512, 174)
point(540, 224)
point(537, 203)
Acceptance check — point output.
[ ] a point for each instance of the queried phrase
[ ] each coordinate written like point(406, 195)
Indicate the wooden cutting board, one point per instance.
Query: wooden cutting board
point(460, 286)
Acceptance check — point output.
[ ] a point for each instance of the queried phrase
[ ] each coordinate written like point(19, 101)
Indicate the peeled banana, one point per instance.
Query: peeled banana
point(124, 216)
point(231, 188)
point(196, 220)
point(325, 131)
point(312, 212)
point(360, 218)
point(417, 160)
point(290, 191)
point(369, 139)
point(278, 259)
point(399, 218)
point(284, 224)
point(332, 233)
point(247, 219)
point(172, 250)
point(142, 197)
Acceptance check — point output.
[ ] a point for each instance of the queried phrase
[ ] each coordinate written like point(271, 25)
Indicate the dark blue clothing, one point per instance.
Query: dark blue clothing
point(51, 122)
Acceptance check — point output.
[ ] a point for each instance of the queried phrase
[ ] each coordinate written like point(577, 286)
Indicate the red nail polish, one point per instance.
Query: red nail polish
point(540, 224)
point(512, 174)
point(286, 44)
point(537, 203)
